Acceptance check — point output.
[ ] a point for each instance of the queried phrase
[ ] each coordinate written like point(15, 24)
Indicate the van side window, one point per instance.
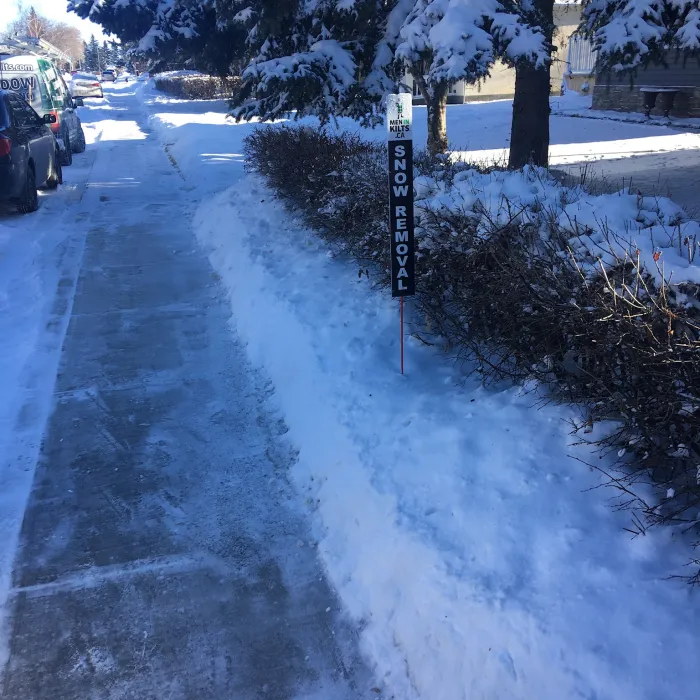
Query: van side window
point(64, 91)
point(48, 92)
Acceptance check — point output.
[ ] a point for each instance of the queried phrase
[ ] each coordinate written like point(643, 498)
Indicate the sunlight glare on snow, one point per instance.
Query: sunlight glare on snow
point(567, 153)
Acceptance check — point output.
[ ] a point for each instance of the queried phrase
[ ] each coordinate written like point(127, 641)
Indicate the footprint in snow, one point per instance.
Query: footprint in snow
point(507, 662)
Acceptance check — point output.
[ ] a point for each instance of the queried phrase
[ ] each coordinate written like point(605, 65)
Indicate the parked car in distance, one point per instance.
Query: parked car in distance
point(29, 156)
point(108, 75)
point(42, 86)
point(85, 85)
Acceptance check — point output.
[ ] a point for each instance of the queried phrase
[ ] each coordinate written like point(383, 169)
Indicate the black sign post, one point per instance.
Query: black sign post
point(400, 142)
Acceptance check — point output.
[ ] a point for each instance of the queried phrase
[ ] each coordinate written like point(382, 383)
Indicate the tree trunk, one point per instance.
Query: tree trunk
point(436, 101)
point(529, 133)
point(437, 119)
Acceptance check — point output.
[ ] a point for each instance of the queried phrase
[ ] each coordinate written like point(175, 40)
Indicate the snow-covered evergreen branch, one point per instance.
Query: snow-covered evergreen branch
point(629, 33)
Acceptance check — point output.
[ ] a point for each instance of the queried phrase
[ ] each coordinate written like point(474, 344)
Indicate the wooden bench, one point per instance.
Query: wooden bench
point(668, 95)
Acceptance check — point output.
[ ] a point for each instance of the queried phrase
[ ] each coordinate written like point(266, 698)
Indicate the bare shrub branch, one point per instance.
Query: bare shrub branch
point(517, 305)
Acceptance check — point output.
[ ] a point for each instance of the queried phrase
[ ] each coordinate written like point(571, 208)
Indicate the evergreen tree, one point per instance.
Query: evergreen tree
point(117, 55)
point(96, 58)
point(630, 33)
point(91, 54)
point(183, 31)
point(341, 57)
point(334, 58)
point(313, 58)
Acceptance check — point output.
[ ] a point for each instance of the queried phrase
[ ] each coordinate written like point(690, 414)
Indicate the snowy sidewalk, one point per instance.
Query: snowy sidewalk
point(163, 553)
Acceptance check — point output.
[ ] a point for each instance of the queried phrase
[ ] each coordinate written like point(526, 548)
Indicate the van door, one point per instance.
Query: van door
point(69, 113)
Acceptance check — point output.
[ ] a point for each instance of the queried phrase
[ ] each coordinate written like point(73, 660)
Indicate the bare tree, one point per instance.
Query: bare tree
point(66, 38)
point(36, 24)
point(27, 23)
point(63, 36)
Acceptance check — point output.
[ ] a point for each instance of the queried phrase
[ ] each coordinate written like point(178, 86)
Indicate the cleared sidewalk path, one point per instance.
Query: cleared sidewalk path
point(163, 553)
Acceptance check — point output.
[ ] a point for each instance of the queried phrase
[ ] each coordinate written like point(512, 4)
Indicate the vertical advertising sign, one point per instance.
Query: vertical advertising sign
point(400, 138)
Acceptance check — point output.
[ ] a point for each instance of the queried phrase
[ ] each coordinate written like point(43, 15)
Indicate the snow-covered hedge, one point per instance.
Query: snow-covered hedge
point(196, 87)
point(595, 297)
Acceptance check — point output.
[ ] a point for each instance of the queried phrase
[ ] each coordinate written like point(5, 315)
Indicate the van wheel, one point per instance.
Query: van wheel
point(29, 199)
point(57, 178)
point(67, 153)
point(80, 146)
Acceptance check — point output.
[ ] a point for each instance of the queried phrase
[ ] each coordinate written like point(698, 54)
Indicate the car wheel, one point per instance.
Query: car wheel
point(80, 146)
point(66, 153)
point(57, 178)
point(29, 199)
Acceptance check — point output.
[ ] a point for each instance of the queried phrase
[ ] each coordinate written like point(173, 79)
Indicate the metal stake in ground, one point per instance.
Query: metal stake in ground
point(399, 120)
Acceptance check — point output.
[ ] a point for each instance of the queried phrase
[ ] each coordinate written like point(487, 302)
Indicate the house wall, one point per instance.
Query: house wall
point(501, 83)
point(616, 92)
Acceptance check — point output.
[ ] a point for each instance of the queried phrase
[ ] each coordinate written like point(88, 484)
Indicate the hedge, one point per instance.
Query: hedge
point(513, 303)
point(196, 87)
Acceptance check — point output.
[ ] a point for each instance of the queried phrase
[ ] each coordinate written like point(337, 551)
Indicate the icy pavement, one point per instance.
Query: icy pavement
point(163, 553)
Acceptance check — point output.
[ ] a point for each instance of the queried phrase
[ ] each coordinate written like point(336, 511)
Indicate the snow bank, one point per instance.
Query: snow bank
point(451, 520)
point(654, 230)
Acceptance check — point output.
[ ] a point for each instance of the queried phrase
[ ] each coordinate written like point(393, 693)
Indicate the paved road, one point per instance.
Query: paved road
point(674, 174)
point(163, 554)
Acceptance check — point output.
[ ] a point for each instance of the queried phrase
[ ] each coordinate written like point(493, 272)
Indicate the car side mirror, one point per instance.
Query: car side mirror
point(49, 119)
point(78, 102)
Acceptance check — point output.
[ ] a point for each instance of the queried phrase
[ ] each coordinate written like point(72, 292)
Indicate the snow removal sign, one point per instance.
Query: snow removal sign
point(399, 125)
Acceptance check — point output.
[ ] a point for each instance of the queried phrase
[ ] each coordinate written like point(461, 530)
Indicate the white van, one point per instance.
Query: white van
point(36, 79)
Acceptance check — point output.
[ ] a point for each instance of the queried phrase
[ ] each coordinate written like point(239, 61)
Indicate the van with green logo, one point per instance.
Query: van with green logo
point(36, 79)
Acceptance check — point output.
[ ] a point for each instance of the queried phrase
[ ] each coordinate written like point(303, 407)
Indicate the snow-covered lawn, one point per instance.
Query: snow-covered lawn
point(459, 532)
point(656, 158)
point(480, 131)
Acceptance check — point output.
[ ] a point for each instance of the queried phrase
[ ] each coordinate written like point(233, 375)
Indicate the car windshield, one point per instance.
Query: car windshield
point(4, 113)
point(84, 76)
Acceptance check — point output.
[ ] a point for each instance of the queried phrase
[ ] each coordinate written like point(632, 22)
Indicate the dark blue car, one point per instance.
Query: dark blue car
point(29, 155)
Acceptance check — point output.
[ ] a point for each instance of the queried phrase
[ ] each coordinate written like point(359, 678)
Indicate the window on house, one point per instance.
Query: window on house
point(582, 57)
